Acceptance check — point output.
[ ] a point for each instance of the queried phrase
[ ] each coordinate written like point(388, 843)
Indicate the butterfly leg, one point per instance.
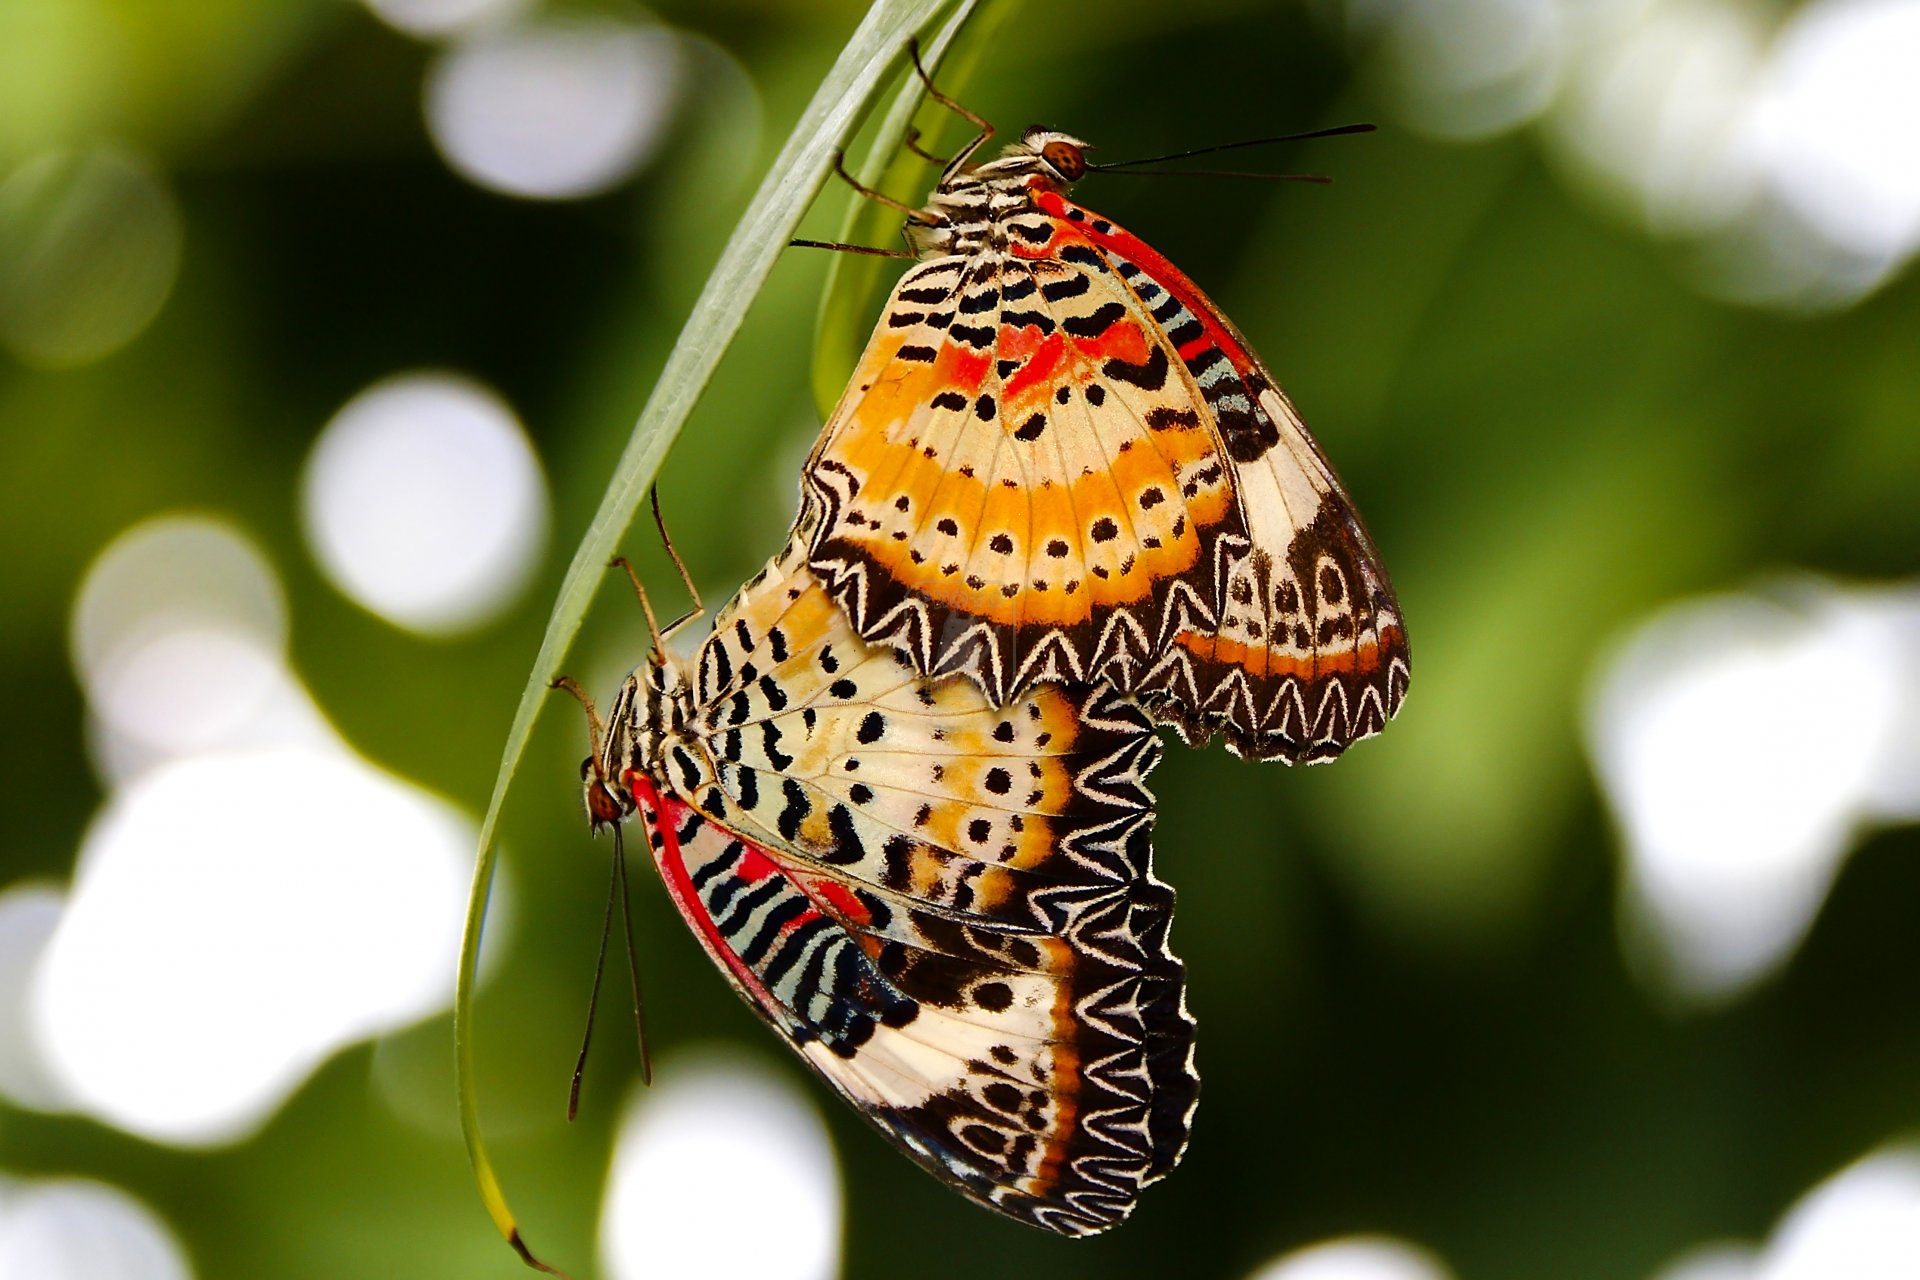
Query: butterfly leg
point(646, 605)
point(972, 118)
point(595, 727)
point(920, 216)
point(912, 143)
point(698, 609)
point(837, 247)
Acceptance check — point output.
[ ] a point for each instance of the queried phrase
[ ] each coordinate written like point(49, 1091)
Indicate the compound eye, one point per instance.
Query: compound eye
point(601, 806)
point(1067, 160)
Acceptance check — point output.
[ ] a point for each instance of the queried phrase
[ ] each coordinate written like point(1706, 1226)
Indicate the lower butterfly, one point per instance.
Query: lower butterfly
point(946, 909)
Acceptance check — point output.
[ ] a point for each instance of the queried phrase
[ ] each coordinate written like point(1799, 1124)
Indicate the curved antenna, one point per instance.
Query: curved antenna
point(616, 890)
point(599, 968)
point(1333, 132)
point(1319, 178)
point(633, 958)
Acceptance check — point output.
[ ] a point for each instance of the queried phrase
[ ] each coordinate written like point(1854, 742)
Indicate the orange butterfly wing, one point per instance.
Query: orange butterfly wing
point(1059, 461)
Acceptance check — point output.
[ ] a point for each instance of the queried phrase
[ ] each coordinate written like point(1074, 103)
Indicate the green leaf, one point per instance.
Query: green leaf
point(837, 108)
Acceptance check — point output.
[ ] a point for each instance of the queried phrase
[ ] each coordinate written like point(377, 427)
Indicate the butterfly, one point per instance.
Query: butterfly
point(946, 908)
point(1058, 460)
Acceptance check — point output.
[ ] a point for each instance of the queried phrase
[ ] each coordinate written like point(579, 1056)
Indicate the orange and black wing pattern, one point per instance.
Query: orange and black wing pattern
point(1058, 460)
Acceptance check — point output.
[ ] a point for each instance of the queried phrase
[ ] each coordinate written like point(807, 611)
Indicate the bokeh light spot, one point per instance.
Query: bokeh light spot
point(1735, 811)
point(1356, 1258)
point(1469, 68)
point(1781, 149)
point(169, 573)
point(1863, 1223)
point(424, 502)
point(553, 108)
point(443, 17)
point(179, 639)
point(1713, 1262)
point(73, 1229)
point(1834, 123)
point(712, 1122)
point(29, 913)
point(89, 249)
point(235, 919)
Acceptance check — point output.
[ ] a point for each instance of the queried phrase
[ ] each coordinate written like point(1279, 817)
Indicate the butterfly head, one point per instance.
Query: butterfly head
point(1057, 160)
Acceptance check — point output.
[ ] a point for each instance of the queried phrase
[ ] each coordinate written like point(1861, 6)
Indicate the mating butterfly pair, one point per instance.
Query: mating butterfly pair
point(900, 797)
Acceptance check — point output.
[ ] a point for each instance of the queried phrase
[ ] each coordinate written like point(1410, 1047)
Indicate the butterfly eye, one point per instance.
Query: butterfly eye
point(601, 805)
point(1067, 160)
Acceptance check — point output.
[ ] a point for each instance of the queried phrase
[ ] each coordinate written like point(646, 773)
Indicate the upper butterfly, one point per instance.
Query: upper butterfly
point(1058, 460)
point(947, 910)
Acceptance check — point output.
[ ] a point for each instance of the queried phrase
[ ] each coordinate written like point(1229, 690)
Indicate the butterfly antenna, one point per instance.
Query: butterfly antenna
point(633, 958)
point(686, 579)
point(1333, 132)
point(599, 968)
point(1320, 178)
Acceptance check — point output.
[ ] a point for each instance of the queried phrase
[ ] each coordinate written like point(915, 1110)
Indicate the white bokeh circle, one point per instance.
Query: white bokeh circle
point(78, 1229)
point(90, 244)
point(553, 107)
point(29, 914)
point(1356, 1258)
point(1863, 1223)
point(424, 502)
point(1735, 809)
point(439, 18)
point(712, 1121)
point(234, 920)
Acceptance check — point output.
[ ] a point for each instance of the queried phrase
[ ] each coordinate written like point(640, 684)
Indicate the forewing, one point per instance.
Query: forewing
point(1013, 485)
point(1308, 652)
point(1062, 462)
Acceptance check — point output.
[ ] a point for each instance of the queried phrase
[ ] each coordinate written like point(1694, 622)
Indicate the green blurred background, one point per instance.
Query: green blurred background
point(1561, 404)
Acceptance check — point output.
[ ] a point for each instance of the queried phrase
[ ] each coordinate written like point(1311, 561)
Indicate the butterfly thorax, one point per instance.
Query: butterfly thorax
point(647, 733)
point(974, 205)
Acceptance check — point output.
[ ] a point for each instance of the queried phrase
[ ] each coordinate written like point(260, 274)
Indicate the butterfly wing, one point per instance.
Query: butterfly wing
point(1310, 650)
point(1061, 462)
point(1011, 487)
point(948, 910)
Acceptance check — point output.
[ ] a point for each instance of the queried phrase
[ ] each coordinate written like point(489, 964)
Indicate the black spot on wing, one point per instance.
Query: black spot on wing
point(770, 734)
point(847, 848)
point(1071, 287)
point(1149, 375)
point(1095, 322)
point(795, 810)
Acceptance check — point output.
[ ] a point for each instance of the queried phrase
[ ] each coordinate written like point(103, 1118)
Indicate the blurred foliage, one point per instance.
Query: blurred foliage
point(1414, 1012)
